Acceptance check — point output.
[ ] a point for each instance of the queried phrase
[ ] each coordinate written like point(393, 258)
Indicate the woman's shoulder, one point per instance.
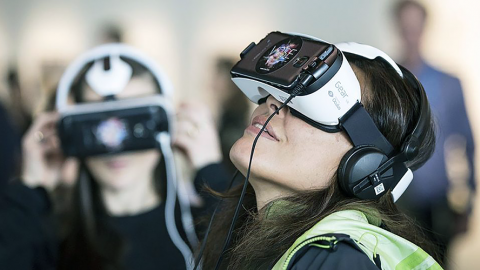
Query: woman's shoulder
point(341, 254)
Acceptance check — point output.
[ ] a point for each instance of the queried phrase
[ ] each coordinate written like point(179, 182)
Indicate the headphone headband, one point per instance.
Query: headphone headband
point(411, 144)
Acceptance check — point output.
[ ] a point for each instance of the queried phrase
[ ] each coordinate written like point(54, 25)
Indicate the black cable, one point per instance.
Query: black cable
point(205, 237)
point(298, 89)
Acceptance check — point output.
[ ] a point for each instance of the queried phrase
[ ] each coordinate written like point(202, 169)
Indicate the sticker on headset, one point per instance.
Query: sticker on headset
point(279, 55)
point(379, 189)
point(111, 132)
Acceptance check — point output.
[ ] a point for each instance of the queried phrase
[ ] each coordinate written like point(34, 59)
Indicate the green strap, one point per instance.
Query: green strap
point(307, 242)
point(320, 246)
point(416, 259)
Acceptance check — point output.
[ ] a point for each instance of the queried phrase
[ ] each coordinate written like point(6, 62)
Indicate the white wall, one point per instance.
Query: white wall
point(186, 35)
point(183, 36)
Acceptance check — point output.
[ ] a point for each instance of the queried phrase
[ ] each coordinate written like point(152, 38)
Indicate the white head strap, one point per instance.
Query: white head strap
point(109, 76)
point(367, 52)
point(97, 75)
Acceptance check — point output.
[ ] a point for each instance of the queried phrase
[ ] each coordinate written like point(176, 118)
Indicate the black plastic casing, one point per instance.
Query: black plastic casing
point(78, 137)
point(286, 76)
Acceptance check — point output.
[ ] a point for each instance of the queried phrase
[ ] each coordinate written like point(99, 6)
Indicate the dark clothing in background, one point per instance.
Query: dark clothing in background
point(446, 100)
point(426, 198)
point(9, 148)
point(148, 244)
point(28, 233)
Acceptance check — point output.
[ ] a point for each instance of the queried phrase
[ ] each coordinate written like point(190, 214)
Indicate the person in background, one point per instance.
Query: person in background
point(116, 212)
point(9, 147)
point(441, 199)
point(208, 131)
point(20, 116)
point(234, 108)
point(227, 110)
point(14, 121)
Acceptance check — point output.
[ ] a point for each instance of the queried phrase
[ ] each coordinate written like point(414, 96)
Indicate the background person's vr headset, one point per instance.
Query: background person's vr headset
point(331, 100)
point(112, 126)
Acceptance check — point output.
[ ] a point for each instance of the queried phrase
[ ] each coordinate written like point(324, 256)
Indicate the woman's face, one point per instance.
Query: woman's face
point(127, 169)
point(290, 154)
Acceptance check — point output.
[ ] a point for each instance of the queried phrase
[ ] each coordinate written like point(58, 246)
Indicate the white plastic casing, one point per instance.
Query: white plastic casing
point(402, 185)
point(112, 81)
point(330, 102)
point(367, 51)
point(113, 49)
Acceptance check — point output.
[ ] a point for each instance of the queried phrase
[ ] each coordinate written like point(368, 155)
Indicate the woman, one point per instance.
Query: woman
point(116, 215)
point(294, 194)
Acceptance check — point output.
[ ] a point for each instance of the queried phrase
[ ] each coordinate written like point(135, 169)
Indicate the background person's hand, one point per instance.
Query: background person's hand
point(42, 156)
point(197, 135)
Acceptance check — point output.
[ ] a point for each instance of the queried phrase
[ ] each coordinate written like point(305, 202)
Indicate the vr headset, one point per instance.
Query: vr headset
point(332, 102)
point(112, 125)
point(115, 125)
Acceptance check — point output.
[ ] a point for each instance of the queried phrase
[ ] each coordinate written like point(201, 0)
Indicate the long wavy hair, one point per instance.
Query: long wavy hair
point(258, 242)
point(88, 239)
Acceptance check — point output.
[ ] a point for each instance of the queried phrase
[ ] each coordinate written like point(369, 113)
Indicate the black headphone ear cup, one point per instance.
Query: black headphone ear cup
point(341, 171)
point(356, 164)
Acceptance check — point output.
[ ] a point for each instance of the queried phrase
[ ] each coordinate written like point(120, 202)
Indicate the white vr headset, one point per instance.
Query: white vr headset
point(332, 102)
point(334, 98)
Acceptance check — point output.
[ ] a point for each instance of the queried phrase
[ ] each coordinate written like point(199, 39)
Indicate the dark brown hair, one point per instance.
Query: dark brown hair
point(257, 242)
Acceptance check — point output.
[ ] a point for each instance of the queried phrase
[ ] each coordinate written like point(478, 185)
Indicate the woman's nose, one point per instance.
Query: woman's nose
point(274, 104)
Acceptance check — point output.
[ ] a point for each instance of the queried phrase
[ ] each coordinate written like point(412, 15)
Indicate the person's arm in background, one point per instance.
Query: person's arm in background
point(459, 147)
point(458, 122)
point(197, 137)
point(9, 148)
point(27, 237)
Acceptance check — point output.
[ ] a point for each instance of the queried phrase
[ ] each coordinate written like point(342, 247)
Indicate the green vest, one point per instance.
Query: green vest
point(395, 252)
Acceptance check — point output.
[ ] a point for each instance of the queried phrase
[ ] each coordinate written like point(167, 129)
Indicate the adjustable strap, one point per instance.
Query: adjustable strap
point(303, 257)
point(109, 98)
point(361, 129)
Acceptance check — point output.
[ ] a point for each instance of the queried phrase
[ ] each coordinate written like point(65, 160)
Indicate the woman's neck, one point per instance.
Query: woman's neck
point(266, 192)
point(131, 200)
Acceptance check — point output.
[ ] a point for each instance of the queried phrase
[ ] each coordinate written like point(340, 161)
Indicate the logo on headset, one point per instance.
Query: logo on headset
point(335, 100)
point(340, 89)
point(379, 189)
point(337, 104)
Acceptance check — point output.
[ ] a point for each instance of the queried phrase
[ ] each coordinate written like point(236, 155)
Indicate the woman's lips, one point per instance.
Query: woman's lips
point(116, 164)
point(256, 126)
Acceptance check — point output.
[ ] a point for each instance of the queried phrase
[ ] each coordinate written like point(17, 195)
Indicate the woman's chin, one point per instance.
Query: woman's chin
point(240, 154)
point(118, 183)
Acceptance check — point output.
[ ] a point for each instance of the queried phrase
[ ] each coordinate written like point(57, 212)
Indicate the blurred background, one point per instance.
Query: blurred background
point(197, 41)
